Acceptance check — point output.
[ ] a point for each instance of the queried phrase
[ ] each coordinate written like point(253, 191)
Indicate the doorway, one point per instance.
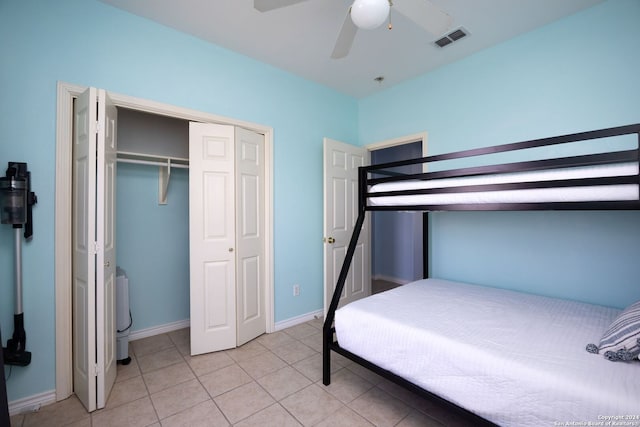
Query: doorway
point(340, 170)
point(396, 237)
point(63, 242)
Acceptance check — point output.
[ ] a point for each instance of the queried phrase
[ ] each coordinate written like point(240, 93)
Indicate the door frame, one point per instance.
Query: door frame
point(66, 93)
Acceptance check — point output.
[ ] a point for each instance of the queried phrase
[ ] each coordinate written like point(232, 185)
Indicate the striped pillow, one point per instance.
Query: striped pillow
point(622, 340)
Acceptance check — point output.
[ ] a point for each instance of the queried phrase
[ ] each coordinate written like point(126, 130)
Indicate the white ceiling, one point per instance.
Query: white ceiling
point(301, 37)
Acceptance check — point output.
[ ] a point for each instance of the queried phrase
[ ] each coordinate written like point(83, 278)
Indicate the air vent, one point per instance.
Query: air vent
point(452, 37)
point(443, 41)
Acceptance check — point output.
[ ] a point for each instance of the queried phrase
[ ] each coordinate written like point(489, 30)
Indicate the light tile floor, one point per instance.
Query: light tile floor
point(274, 380)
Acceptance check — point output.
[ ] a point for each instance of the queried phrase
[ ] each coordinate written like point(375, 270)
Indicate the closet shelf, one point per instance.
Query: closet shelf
point(165, 163)
point(152, 159)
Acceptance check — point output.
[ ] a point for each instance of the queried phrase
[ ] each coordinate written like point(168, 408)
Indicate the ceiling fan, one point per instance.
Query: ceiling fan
point(369, 14)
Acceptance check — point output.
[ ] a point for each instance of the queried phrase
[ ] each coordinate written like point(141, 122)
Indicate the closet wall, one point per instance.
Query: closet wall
point(152, 240)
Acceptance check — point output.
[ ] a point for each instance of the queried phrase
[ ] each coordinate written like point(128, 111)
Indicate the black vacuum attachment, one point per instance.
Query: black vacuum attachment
point(15, 352)
point(16, 201)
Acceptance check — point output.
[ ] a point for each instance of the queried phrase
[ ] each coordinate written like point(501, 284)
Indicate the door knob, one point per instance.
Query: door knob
point(230, 249)
point(329, 240)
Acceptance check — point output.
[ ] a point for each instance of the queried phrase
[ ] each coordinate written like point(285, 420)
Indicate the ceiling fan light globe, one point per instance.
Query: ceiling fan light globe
point(369, 14)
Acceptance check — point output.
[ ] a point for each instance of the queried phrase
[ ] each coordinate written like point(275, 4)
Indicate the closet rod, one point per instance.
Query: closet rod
point(152, 163)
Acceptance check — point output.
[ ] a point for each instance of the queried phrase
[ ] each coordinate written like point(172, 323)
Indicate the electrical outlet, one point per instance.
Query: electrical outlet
point(296, 290)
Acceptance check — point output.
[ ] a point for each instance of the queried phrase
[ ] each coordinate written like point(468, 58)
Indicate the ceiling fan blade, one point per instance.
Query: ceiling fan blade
point(425, 14)
point(267, 5)
point(345, 38)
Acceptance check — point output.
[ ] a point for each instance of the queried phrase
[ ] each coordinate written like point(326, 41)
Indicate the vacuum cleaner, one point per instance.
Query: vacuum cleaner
point(16, 201)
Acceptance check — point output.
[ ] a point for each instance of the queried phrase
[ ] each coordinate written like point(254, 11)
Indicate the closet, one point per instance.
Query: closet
point(152, 217)
point(225, 207)
point(226, 238)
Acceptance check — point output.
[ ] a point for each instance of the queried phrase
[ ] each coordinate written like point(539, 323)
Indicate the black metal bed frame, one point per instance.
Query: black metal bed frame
point(365, 181)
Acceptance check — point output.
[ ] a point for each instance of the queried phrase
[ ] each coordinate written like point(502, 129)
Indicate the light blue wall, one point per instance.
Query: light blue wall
point(578, 74)
point(89, 43)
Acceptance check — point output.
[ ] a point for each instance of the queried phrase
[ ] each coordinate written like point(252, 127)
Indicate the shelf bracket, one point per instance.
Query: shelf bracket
point(164, 174)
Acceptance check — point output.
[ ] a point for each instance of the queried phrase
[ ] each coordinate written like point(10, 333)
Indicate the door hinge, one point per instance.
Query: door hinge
point(96, 370)
point(95, 248)
point(97, 127)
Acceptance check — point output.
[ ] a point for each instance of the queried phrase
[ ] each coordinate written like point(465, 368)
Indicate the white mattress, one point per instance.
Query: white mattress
point(515, 359)
point(559, 194)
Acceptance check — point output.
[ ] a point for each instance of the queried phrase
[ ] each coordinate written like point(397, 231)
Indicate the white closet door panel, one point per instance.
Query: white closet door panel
point(94, 328)
point(250, 288)
point(218, 318)
point(250, 194)
point(212, 237)
point(106, 254)
point(250, 211)
point(84, 224)
point(216, 220)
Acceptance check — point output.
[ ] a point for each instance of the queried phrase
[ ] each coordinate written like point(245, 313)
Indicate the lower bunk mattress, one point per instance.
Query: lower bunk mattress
point(515, 359)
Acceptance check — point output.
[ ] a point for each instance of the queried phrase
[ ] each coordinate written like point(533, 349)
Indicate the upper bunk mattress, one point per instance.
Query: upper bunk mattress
point(515, 359)
point(591, 193)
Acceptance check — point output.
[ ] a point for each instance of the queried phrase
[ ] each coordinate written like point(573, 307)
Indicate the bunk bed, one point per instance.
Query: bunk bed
point(496, 357)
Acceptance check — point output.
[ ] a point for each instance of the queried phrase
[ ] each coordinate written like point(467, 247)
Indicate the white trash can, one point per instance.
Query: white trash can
point(123, 317)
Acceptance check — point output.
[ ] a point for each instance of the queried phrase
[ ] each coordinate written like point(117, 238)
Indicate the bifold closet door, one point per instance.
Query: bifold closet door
point(212, 237)
point(94, 171)
point(250, 211)
point(226, 210)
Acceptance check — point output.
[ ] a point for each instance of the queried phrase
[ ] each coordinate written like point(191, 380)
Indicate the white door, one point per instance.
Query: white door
point(250, 236)
point(212, 237)
point(106, 257)
point(94, 145)
point(341, 162)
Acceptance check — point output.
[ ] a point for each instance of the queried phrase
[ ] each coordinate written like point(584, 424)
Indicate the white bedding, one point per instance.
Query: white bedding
point(515, 359)
point(558, 194)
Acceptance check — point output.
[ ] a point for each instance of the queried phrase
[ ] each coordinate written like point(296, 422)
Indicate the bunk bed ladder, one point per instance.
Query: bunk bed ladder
point(328, 329)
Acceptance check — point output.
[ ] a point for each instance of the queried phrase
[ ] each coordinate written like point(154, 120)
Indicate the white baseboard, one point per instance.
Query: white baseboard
point(32, 403)
point(181, 324)
point(157, 330)
point(284, 324)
